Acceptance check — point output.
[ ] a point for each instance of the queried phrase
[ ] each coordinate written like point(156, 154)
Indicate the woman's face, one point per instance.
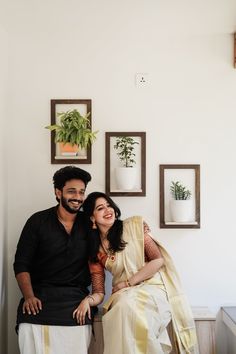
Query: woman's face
point(103, 214)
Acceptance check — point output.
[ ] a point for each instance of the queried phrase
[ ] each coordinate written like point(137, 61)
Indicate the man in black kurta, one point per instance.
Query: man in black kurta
point(51, 267)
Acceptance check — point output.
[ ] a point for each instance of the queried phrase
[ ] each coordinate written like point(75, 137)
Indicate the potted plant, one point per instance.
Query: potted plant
point(179, 192)
point(73, 131)
point(180, 204)
point(126, 174)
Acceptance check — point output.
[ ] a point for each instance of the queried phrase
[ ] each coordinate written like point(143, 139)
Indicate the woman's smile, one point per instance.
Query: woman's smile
point(108, 216)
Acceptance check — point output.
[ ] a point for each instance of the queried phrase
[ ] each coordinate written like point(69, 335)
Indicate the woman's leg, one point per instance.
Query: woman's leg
point(137, 322)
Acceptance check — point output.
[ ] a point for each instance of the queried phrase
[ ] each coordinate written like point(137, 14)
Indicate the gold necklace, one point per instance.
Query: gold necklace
point(110, 254)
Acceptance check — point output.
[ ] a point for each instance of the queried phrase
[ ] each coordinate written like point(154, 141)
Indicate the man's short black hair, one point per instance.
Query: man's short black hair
point(68, 173)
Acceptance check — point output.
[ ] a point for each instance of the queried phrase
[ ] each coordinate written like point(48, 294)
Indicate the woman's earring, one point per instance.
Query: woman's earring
point(94, 227)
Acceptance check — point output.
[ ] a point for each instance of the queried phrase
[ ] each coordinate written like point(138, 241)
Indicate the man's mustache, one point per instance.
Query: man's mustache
point(76, 200)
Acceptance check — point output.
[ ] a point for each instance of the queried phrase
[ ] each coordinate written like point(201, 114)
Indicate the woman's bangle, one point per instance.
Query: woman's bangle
point(90, 297)
point(128, 283)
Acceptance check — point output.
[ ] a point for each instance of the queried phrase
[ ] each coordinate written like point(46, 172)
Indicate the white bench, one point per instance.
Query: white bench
point(227, 341)
point(229, 318)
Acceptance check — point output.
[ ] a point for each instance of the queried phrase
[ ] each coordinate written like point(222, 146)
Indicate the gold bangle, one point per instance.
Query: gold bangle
point(128, 283)
point(90, 297)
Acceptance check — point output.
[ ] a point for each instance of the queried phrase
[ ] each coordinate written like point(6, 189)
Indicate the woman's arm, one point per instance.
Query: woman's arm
point(154, 260)
point(97, 296)
point(84, 307)
point(148, 270)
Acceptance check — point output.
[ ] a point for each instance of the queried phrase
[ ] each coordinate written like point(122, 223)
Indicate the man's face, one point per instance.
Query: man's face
point(72, 195)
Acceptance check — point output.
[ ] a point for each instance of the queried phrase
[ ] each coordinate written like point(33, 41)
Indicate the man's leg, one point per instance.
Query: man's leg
point(69, 339)
point(37, 339)
point(26, 339)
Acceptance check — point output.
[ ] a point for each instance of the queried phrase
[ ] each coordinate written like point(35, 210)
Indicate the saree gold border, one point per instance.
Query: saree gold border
point(46, 340)
point(141, 332)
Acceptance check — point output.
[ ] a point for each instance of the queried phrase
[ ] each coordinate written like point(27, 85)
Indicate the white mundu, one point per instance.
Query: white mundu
point(41, 339)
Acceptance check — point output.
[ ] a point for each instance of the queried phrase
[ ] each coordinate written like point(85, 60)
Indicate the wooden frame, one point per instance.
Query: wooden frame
point(62, 105)
point(112, 162)
point(235, 50)
point(188, 174)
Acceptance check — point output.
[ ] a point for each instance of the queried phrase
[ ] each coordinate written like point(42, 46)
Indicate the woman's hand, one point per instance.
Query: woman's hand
point(119, 286)
point(32, 305)
point(80, 313)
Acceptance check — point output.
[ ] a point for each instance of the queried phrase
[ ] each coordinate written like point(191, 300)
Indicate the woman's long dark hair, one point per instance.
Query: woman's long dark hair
point(115, 232)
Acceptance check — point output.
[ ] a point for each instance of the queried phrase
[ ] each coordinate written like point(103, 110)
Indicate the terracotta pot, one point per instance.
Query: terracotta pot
point(68, 150)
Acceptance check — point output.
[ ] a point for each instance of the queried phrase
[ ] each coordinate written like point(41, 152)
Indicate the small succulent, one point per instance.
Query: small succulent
point(179, 192)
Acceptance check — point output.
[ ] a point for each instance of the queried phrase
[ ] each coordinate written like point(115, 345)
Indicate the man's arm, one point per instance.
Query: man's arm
point(24, 258)
point(31, 305)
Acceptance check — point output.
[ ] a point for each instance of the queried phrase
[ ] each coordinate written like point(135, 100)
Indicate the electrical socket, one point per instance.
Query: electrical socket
point(141, 79)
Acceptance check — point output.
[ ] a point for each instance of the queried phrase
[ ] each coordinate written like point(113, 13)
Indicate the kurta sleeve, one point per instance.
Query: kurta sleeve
point(98, 277)
point(26, 247)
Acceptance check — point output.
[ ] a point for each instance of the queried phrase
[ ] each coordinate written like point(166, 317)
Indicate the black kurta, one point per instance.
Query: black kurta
point(58, 266)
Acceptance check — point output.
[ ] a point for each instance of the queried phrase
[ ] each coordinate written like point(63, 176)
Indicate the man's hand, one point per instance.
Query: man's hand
point(32, 305)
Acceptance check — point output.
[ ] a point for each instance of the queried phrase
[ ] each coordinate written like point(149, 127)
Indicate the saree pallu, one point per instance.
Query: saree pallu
point(137, 317)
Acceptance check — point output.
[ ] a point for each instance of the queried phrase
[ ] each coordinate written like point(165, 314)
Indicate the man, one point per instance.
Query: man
point(52, 272)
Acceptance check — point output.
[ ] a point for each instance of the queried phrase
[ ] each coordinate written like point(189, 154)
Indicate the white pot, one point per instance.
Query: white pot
point(181, 210)
point(126, 177)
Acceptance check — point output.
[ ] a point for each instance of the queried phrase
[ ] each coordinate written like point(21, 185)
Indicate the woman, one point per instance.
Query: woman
point(145, 296)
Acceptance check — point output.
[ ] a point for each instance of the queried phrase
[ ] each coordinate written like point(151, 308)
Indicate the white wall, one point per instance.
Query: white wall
point(3, 202)
point(92, 49)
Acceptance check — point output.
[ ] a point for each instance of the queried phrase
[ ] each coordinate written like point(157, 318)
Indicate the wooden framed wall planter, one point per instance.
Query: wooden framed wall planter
point(126, 163)
point(79, 156)
point(187, 176)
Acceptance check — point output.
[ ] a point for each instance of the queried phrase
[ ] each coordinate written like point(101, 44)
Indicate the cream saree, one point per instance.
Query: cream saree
point(136, 318)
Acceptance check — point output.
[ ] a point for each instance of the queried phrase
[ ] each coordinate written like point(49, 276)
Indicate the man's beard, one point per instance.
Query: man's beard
point(64, 203)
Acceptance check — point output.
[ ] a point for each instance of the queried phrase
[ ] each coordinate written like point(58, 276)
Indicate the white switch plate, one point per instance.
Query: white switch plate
point(141, 79)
